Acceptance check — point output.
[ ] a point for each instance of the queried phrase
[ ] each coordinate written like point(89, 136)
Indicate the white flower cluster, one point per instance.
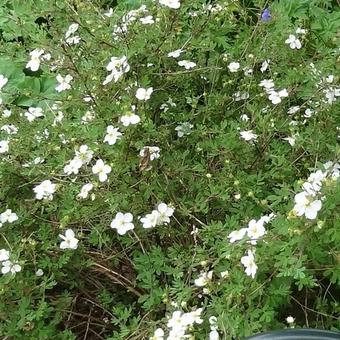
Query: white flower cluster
point(126, 20)
point(178, 325)
point(8, 266)
point(83, 156)
point(45, 190)
point(308, 202)
point(273, 95)
point(117, 67)
point(254, 232)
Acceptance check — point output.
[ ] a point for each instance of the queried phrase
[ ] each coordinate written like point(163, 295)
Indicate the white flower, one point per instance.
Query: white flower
point(85, 154)
point(275, 96)
point(255, 230)
point(308, 113)
point(112, 135)
point(264, 65)
point(45, 190)
point(203, 279)
point(267, 84)
point(213, 335)
point(224, 274)
point(130, 118)
point(64, 82)
point(73, 167)
point(10, 267)
point(291, 140)
point(73, 40)
point(248, 135)
point(293, 41)
point(87, 117)
point(10, 129)
point(237, 235)
point(123, 223)
point(304, 205)
point(144, 94)
point(187, 64)
point(244, 118)
point(331, 94)
point(71, 30)
point(117, 66)
point(165, 212)
point(148, 20)
point(8, 216)
point(101, 169)
point(183, 129)
point(158, 335)
point(4, 146)
point(6, 113)
point(69, 240)
point(248, 262)
point(4, 255)
point(3, 81)
point(33, 113)
point(300, 31)
point(290, 319)
point(34, 63)
point(175, 4)
point(39, 272)
point(234, 67)
point(293, 110)
point(241, 95)
point(109, 13)
point(175, 54)
point(84, 191)
point(150, 220)
point(153, 150)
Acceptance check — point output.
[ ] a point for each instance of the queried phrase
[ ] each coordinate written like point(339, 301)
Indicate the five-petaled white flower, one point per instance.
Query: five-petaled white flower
point(10, 267)
point(8, 216)
point(85, 154)
point(45, 190)
point(255, 230)
point(306, 205)
point(150, 220)
point(144, 94)
point(69, 240)
point(165, 212)
point(3, 81)
point(33, 113)
point(112, 135)
point(101, 169)
point(130, 118)
point(175, 4)
point(294, 42)
point(34, 63)
point(248, 135)
point(73, 166)
point(187, 64)
point(234, 67)
point(248, 262)
point(122, 222)
point(64, 83)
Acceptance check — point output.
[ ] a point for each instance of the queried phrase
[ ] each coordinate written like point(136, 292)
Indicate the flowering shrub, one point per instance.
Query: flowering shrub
point(169, 168)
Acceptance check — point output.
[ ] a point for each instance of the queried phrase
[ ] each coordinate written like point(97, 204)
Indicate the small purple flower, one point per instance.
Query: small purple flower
point(266, 15)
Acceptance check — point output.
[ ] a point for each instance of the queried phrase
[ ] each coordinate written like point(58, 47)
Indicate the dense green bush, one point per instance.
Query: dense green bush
point(169, 169)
